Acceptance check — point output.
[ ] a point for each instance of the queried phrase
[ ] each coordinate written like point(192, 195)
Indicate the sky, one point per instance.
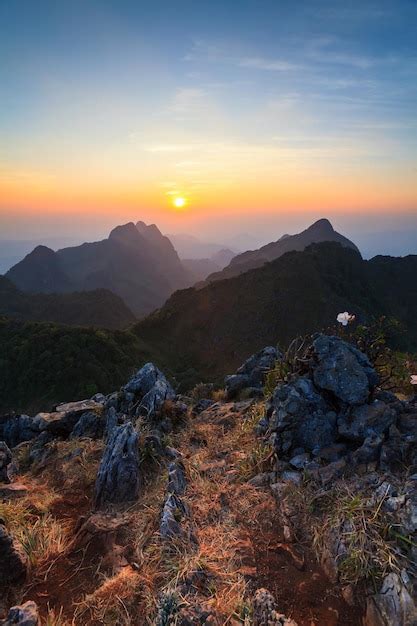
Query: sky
point(262, 115)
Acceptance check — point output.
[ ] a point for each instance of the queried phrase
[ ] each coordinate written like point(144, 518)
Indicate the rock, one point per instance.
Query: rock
point(260, 480)
point(118, 478)
point(392, 606)
point(300, 460)
point(177, 481)
point(152, 403)
point(172, 514)
point(99, 397)
point(12, 491)
point(90, 425)
point(265, 612)
point(79, 407)
point(301, 417)
point(13, 559)
point(66, 416)
point(26, 614)
point(369, 450)
point(343, 370)
point(202, 405)
point(111, 421)
point(258, 365)
point(144, 379)
point(5, 460)
point(15, 429)
point(332, 471)
point(252, 373)
point(331, 453)
point(235, 383)
point(292, 477)
point(366, 420)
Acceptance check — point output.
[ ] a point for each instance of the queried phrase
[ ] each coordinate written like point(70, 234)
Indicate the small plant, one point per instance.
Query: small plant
point(259, 460)
point(201, 391)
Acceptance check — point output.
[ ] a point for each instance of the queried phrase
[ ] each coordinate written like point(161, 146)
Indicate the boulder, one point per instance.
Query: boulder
point(63, 420)
point(153, 401)
point(118, 478)
point(144, 379)
point(365, 421)
point(343, 370)
point(13, 559)
point(26, 614)
point(5, 460)
point(90, 425)
point(392, 606)
point(252, 372)
point(301, 417)
point(15, 429)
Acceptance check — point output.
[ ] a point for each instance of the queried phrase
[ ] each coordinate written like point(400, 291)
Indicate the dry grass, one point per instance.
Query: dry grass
point(338, 515)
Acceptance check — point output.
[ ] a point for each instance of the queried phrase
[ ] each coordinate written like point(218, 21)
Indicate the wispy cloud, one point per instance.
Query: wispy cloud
point(274, 65)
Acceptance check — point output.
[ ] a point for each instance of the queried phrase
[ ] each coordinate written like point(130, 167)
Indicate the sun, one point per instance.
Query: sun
point(179, 202)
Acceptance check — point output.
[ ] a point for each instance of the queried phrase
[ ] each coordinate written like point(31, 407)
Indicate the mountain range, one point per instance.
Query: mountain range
point(136, 262)
point(320, 231)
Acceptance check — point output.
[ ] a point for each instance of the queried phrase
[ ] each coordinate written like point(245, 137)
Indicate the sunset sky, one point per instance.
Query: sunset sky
point(249, 110)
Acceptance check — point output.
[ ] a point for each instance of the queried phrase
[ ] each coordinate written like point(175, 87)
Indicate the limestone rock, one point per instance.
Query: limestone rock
point(90, 425)
point(392, 606)
point(118, 478)
point(252, 372)
point(343, 370)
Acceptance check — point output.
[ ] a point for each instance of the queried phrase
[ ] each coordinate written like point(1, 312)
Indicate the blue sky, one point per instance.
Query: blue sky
point(113, 106)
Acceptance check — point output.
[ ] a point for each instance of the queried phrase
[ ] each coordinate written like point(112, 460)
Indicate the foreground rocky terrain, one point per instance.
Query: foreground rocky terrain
point(289, 497)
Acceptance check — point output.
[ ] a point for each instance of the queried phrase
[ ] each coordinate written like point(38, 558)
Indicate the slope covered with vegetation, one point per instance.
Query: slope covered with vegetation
point(88, 308)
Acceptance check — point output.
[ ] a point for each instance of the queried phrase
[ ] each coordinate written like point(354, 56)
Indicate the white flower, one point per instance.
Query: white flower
point(413, 379)
point(345, 318)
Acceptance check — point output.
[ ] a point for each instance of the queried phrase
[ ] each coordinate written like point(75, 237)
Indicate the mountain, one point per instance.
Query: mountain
point(210, 331)
point(202, 334)
point(137, 263)
point(191, 247)
point(100, 308)
point(320, 231)
point(201, 268)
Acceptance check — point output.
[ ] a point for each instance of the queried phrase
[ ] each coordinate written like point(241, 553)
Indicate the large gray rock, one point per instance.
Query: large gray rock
point(152, 403)
point(5, 460)
point(392, 606)
point(252, 372)
point(90, 424)
point(13, 560)
point(343, 370)
point(15, 429)
point(301, 417)
point(26, 614)
point(118, 478)
point(366, 420)
point(144, 380)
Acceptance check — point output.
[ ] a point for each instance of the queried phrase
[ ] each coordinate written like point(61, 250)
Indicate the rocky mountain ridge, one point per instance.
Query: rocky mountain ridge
point(238, 470)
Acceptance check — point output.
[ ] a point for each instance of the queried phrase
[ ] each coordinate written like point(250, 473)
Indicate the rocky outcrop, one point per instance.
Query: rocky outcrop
point(393, 605)
point(332, 418)
point(13, 560)
point(146, 393)
point(253, 371)
point(5, 460)
point(26, 614)
point(118, 478)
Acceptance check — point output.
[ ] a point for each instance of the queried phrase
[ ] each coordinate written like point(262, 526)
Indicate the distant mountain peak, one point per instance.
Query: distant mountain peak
point(126, 232)
point(323, 225)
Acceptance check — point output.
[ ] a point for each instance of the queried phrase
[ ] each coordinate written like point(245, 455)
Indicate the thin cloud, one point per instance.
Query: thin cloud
point(274, 65)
